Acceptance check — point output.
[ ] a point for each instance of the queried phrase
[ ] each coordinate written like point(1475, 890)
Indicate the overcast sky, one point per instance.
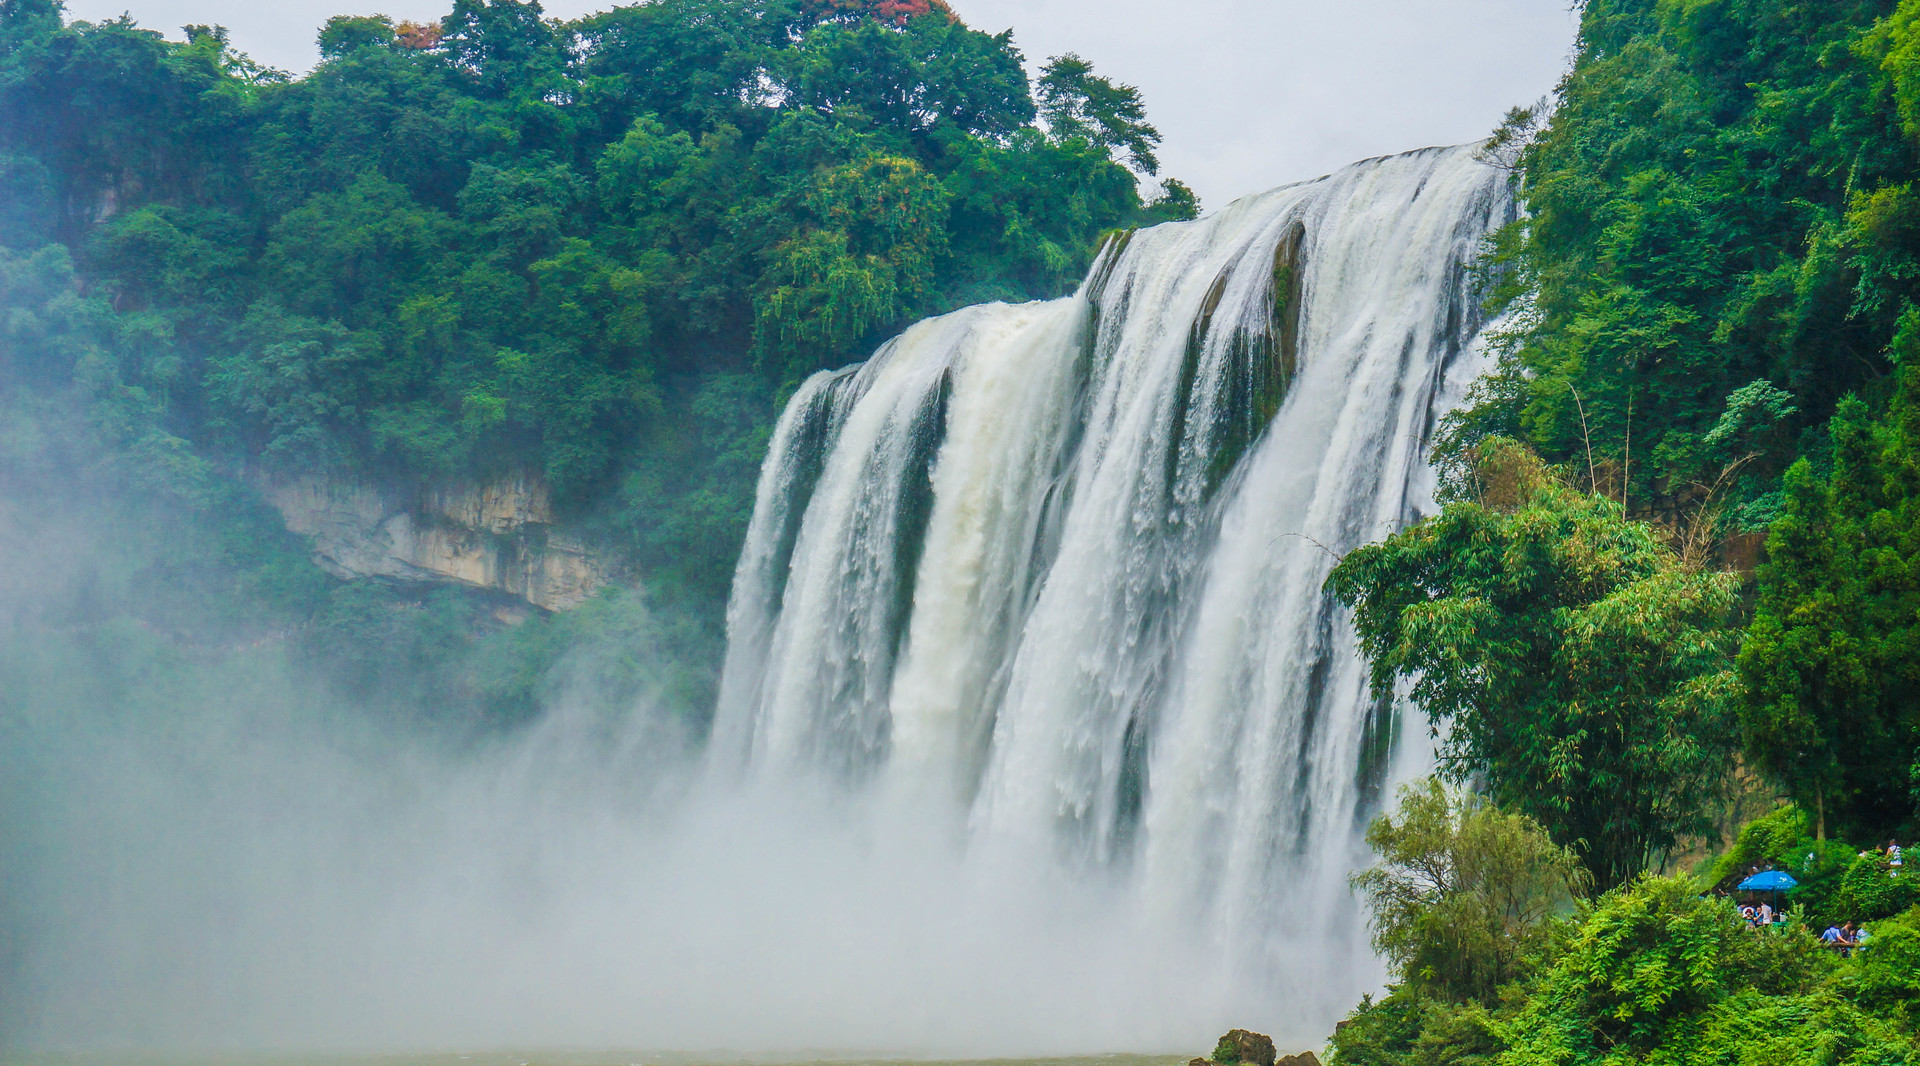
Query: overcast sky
point(1249, 94)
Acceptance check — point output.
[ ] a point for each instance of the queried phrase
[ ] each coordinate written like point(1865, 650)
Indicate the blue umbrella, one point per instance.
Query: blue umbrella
point(1769, 881)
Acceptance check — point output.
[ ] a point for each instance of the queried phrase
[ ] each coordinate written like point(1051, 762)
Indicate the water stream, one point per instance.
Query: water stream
point(1045, 581)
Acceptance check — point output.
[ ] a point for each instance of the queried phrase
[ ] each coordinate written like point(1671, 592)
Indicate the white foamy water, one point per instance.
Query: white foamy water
point(1046, 581)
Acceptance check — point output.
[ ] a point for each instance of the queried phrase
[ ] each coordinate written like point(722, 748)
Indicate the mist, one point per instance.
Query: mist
point(204, 850)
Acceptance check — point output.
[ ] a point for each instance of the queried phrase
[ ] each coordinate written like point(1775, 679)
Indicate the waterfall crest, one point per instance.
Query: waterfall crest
point(1053, 572)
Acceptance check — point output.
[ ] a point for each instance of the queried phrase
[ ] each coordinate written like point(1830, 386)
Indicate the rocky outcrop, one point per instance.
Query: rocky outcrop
point(499, 535)
point(1248, 1048)
point(1243, 1048)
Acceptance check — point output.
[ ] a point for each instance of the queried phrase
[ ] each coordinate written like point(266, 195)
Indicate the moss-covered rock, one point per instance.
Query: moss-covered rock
point(1241, 1046)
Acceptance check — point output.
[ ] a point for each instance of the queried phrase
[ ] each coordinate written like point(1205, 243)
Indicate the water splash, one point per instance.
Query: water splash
point(1048, 578)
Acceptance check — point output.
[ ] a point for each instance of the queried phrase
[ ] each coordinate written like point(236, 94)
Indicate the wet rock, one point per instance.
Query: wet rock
point(1241, 1046)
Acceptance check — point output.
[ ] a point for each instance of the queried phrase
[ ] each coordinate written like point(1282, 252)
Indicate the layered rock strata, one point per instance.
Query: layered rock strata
point(499, 535)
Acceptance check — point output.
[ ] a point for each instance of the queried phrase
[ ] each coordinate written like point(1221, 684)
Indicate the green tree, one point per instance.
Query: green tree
point(912, 77)
point(1694, 224)
point(1076, 102)
point(23, 21)
point(693, 64)
point(1463, 891)
point(503, 47)
point(290, 388)
point(1176, 202)
point(342, 35)
point(357, 253)
point(1831, 662)
point(388, 110)
point(879, 225)
point(1563, 654)
point(117, 117)
point(595, 251)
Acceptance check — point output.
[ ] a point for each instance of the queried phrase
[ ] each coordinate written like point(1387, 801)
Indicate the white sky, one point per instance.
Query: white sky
point(1249, 94)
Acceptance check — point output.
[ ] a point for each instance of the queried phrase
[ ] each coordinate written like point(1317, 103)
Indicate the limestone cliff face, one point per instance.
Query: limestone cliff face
point(498, 535)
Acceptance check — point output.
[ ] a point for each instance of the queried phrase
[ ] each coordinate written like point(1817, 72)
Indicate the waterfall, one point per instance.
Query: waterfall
point(1048, 577)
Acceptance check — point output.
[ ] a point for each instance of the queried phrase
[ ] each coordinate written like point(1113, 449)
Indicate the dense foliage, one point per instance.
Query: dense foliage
point(1709, 599)
point(1713, 309)
point(1718, 199)
point(594, 251)
point(1577, 668)
point(1832, 658)
point(1464, 889)
point(1654, 971)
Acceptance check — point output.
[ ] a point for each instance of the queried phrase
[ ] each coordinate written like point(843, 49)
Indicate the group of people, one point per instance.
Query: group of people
point(1891, 853)
point(1844, 938)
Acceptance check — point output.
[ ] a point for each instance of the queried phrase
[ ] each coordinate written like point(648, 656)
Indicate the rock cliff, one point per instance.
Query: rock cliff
point(498, 535)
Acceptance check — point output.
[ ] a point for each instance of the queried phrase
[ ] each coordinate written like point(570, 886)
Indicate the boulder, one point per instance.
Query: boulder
point(1305, 1058)
point(1241, 1046)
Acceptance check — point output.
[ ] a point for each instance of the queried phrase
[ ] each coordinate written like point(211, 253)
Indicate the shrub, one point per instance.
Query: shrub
point(1768, 838)
point(1406, 1029)
point(1886, 976)
point(1646, 963)
point(1819, 1029)
point(1870, 890)
point(1463, 891)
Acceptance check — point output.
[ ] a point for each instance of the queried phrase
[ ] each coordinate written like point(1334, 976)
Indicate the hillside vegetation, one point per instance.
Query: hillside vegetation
point(1675, 579)
point(598, 252)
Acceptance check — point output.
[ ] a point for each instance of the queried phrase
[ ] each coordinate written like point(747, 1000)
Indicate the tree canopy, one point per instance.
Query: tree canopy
point(1717, 197)
point(1675, 555)
point(597, 250)
point(1462, 893)
point(1564, 655)
point(1832, 658)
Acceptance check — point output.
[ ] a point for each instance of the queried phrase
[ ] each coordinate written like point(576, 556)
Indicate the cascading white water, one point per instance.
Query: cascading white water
point(1051, 575)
